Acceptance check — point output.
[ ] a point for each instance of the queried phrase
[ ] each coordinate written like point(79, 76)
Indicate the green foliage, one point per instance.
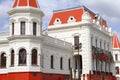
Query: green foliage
point(103, 76)
point(90, 75)
point(71, 74)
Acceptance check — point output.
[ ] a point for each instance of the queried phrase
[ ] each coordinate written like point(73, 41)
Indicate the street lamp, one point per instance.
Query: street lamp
point(78, 47)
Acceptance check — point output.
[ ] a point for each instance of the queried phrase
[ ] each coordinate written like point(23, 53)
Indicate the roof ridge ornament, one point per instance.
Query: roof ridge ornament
point(86, 17)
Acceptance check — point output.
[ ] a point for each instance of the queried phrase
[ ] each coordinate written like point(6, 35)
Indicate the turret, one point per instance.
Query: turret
point(25, 18)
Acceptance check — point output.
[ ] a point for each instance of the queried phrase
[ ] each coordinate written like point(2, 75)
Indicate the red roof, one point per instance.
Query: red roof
point(77, 13)
point(116, 43)
point(64, 15)
point(31, 3)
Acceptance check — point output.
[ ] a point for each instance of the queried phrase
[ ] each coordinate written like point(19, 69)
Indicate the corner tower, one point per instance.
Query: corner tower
point(25, 18)
point(23, 62)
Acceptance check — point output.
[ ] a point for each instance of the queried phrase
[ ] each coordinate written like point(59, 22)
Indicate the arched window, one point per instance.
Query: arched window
point(22, 25)
point(34, 28)
point(61, 63)
point(22, 57)
point(12, 57)
point(117, 70)
point(3, 60)
point(52, 62)
point(34, 57)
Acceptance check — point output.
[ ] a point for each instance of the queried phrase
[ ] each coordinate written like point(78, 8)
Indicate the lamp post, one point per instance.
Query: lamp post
point(79, 46)
point(79, 59)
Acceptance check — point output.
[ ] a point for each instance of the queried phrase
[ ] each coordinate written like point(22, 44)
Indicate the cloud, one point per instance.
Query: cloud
point(5, 6)
point(109, 10)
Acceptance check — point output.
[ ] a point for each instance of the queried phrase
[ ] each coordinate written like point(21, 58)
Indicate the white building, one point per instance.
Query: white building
point(76, 38)
point(116, 55)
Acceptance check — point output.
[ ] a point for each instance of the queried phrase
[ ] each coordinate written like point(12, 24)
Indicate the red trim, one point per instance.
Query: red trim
point(76, 13)
point(32, 76)
point(64, 16)
point(116, 43)
point(31, 3)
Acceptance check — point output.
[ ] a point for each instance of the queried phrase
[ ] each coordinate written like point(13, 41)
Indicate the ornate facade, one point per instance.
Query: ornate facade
point(76, 44)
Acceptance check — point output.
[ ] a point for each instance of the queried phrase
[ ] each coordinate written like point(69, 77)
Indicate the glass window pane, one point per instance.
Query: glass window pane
point(34, 28)
point(23, 28)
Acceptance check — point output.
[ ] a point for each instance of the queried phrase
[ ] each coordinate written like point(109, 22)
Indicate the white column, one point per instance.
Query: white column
point(16, 59)
point(17, 28)
point(28, 59)
point(38, 29)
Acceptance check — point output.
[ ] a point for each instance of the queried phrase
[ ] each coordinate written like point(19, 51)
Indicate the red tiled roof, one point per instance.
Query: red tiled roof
point(116, 43)
point(31, 3)
point(64, 16)
point(77, 13)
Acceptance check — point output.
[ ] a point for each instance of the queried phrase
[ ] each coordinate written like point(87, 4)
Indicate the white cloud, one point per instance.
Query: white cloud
point(108, 9)
point(5, 6)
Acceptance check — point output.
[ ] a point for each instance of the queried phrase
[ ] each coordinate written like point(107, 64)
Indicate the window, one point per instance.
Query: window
point(22, 57)
point(117, 70)
point(22, 27)
point(104, 45)
point(76, 42)
point(96, 41)
point(71, 19)
point(91, 41)
point(96, 64)
point(34, 28)
point(3, 60)
point(108, 47)
point(105, 66)
point(76, 64)
point(34, 57)
point(52, 62)
point(61, 63)
point(100, 44)
point(57, 21)
point(12, 28)
point(12, 57)
point(80, 62)
point(69, 63)
point(116, 57)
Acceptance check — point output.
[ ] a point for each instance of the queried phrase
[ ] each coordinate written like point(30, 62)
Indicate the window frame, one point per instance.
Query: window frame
point(76, 42)
point(34, 57)
point(52, 62)
point(13, 26)
point(61, 63)
point(12, 58)
point(3, 60)
point(34, 28)
point(23, 57)
point(22, 27)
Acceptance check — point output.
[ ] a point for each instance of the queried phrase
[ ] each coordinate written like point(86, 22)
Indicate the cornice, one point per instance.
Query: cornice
point(24, 37)
point(25, 10)
point(4, 42)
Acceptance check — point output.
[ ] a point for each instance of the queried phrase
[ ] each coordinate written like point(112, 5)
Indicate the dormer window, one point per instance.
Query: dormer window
point(71, 19)
point(57, 21)
point(22, 25)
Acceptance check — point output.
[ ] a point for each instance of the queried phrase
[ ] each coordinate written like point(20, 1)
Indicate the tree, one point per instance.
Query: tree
point(71, 75)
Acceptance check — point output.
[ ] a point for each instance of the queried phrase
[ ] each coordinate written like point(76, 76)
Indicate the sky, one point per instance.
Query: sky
point(108, 10)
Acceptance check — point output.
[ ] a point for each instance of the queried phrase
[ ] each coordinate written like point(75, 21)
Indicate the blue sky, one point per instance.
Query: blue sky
point(108, 9)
